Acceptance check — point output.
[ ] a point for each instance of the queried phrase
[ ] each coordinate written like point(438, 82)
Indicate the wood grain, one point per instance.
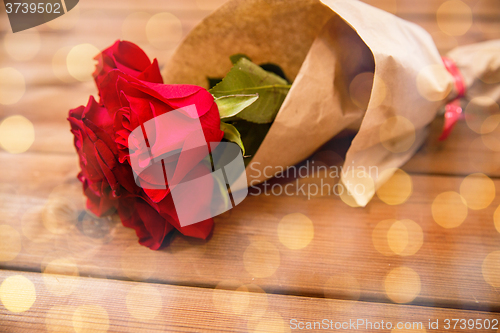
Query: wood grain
point(339, 274)
point(100, 305)
point(448, 263)
point(463, 153)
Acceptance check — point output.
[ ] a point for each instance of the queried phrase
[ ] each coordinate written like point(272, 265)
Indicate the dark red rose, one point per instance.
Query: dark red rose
point(131, 95)
point(152, 222)
point(135, 102)
point(129, 59)
point(103, 177)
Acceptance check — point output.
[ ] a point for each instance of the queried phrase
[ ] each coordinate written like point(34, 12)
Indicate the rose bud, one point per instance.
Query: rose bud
point(128, 58)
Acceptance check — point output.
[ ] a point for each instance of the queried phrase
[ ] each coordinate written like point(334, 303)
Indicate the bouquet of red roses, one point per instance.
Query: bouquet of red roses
point(352, 66)
point(132, 98)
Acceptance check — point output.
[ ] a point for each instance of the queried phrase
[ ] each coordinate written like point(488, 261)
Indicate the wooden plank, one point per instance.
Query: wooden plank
point(450, 273)
point(50, 104)
point(430, 7)
point(246, 243)
point(88, 30)
point(52, 41)
point(101, 305)
point(480, 7)
point(464, 152)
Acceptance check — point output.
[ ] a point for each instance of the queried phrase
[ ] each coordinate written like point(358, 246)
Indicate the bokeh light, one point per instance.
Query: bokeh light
point(56, 319)
point(59, 215)
point(434, 82)
point(257, 307)
point(402, 285)
point(90, 318)
point(361, 91)
point(17, 293)
point(17, 134)
point(138, 262)
point(491, 123)
point(449, 209)
point(397, 134)
point(134, 28)
point(481, 157)
point(12, 85)
point(492, 142)
point(32, 226)
point(295, 231)
point(482, 115)
point(59, 66)
point(60, 276)
point(164, 31)
point(10, 245)
point(491, 269)
point(454, 17)
point(23, 45)
point(144, 302)
point(397, 237)
point(231, 297)
point(405, 237)
point(402, 237)
point(97, 230)
point(261, 259)
point(257, 304)
point(496, 218)
point(80, 61)
point(478, 190)
point(397, 189)
point(379, 237)
point(415, 237)
point(227, 301)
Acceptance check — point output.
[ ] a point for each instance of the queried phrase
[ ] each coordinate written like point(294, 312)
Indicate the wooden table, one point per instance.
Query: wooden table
point(64, 273)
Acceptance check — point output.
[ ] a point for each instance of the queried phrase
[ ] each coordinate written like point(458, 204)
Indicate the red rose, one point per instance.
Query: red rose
point(103, 177)
point(129, 59)
point(134, 102)
point(153, 221)
point(131, 95)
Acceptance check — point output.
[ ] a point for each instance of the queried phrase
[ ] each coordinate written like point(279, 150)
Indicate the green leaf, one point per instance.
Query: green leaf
point(236, 57)
point(248, 78)
point(231, 134)
point(273, 68)
point(231, 105)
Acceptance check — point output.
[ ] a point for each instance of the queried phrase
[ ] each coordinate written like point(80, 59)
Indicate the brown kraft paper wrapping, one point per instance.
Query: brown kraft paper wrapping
point(332, 49)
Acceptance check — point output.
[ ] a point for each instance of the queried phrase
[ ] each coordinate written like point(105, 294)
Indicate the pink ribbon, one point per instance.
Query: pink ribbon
point(453, 110)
